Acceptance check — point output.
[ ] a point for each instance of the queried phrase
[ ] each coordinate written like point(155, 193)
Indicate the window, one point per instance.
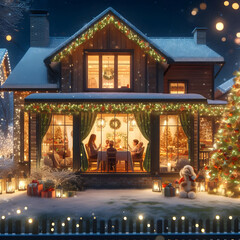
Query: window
point(109, 71)
point(206, 132)
point(177, 87)
point(173, 143)
point(57, 145)
point(122, 129)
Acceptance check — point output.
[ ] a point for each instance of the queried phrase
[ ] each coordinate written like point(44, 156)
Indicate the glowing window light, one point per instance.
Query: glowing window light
point(219, 26)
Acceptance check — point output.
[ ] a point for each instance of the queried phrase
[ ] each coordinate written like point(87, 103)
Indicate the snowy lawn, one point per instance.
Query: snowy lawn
point(107, 204)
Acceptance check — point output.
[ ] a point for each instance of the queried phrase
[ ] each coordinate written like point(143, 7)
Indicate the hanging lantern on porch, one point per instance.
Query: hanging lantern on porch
point(59, 192)
point(1, 185)
point(157, 185)
point(177, 188)
point(22, 181)
point(10, 184)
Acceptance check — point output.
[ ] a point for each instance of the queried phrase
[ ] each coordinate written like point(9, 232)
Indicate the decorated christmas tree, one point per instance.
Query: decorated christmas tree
point(166, 138)
point(225, 162)
point(58, 134)
point(180, 139)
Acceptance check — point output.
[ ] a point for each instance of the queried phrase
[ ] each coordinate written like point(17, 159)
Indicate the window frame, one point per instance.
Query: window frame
point(100, 53)
point(178, 81)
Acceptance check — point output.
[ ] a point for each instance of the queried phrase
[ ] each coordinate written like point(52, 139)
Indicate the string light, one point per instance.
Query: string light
point(219, 26)
point(109, 19)
point(235, 6)
point(174, 218)
point(226, 3)
point(140, 217)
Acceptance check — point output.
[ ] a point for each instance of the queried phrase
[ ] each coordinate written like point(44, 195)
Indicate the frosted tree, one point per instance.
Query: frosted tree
point(11, 13)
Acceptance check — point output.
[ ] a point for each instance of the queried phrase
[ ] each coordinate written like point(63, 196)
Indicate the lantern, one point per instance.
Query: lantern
point(22, 182)
point(59, 192)
point(201, 187)
point(1, 185)
point(10, 184)
point(157, 185)
point(177, 189)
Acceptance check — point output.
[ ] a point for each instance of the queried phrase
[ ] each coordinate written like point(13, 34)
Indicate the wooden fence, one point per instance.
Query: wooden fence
point(181, 228)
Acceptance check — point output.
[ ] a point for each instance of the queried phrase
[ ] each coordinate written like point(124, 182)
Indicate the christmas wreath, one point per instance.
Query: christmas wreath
point(108, 73)
point(115, 123)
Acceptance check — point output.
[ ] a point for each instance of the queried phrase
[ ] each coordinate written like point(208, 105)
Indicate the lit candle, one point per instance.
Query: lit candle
point(169, 166)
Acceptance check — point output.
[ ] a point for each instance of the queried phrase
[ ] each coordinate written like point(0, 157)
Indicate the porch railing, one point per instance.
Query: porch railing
point(182, 228)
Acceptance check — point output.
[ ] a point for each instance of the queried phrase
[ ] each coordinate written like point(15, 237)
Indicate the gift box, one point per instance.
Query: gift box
point(212, 187)
point(34, 189)
point(49, 193)
point(169, 191)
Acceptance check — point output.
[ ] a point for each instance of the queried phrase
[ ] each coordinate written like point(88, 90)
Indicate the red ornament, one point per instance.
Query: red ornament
point(236, 130)
point(229, 125)
point(230, 114)
point(182, 108)
point(102, 108)
point(206, 167)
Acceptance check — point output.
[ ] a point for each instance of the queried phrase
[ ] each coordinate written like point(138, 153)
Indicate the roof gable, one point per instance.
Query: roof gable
point(5, 68)
point(109, 16)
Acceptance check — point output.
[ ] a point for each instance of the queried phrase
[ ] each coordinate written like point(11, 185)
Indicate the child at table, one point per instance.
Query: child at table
point(111, 155)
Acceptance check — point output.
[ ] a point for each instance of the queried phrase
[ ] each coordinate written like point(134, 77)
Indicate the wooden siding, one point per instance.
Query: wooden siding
point(199, 78)
point(107, 39)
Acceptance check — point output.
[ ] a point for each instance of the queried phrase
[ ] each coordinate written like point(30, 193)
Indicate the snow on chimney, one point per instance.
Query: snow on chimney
point(200, 35)
point(39, 28)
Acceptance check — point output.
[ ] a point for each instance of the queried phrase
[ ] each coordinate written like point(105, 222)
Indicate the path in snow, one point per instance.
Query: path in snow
point(118, 203)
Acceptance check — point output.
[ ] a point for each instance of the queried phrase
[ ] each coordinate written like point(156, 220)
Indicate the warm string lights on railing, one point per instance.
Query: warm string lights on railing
point(72, 108)
point(109, 19)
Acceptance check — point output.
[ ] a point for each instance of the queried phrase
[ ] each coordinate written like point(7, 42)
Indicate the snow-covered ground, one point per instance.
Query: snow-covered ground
point(105, 204)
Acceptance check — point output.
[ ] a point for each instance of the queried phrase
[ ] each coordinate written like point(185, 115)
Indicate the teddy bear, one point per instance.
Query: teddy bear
point(187, 184)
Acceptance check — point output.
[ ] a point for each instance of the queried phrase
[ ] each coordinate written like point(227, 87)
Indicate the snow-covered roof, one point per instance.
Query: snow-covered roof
point(3, 51)
point(96, 19)
point(186, 50)
point(30, 72)
point(110, 97)
point(216, 102)
point(226, 86)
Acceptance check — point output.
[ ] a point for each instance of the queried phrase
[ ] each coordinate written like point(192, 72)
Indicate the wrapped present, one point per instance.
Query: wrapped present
point(169, 191)
point(49, 193)
point(212, 187)
point(34, 188)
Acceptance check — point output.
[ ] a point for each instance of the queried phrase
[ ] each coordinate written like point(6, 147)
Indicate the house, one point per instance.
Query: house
point(223, 89)
point(111, 82)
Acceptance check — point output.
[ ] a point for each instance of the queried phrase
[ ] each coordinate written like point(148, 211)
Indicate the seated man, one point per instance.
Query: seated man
point(111, 154)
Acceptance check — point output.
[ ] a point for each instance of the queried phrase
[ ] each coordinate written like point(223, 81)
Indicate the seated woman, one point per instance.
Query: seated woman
point(93, 149)
point(138, 153)
point(134, 149)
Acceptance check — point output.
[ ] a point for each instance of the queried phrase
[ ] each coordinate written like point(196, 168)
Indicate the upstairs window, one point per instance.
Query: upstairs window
point(109, 71)
point(177, 87)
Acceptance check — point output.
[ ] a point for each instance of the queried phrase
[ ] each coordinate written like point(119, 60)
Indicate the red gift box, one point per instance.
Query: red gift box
point(34, 188)
point(49, 193)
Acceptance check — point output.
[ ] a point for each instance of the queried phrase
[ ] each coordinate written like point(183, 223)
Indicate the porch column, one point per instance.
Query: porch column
point(76, 145)
point(154, 143)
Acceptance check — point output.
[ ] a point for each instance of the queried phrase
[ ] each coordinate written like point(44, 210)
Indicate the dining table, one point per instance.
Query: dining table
point(120, 156)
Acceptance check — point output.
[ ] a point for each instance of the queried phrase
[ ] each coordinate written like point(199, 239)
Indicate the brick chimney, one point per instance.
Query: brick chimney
point(39, 28)
point(200, 35)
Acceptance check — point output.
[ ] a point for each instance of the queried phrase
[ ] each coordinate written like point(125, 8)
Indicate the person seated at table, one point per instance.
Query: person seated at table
point(134, 149)
point(118, 143)
point(93, 149)
point(111, 154)
point(137, 154)
point(107, 144)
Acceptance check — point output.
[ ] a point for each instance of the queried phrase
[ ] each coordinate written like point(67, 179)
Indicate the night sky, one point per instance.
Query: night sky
point(170, 18)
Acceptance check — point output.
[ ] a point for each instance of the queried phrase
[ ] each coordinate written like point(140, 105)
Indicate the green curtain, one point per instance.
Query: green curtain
point(87, 119)
point(144, 123)
point(186, 120)
point(45, 120)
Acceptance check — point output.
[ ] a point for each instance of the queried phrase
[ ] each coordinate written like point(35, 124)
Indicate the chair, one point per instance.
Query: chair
point(90, 160)
point(138, 158)
point(111, 159)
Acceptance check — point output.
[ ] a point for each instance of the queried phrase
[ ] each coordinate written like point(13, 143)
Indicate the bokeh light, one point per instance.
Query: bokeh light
point(219, 26)
point(203, 6)
point(235, 6)
point(226, 3)
point(194, 11)
point(224, 39)
point(237, 41)
point(8, 38)
point(238, 34)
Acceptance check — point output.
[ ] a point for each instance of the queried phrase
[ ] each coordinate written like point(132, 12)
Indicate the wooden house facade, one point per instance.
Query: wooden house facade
point(112, 81)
